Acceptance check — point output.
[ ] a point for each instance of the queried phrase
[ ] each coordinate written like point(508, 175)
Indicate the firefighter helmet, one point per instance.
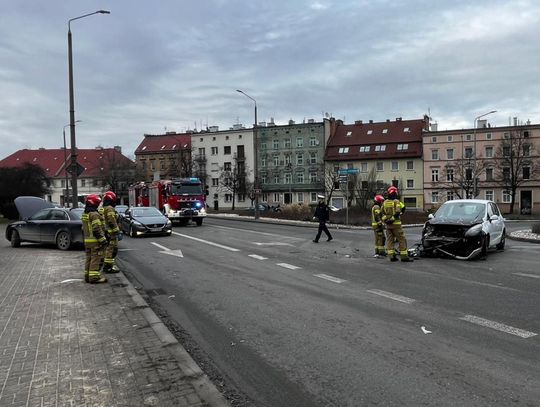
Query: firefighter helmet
point(379, 199)
point(93, 200)
point(392, 190)
point(109, 196)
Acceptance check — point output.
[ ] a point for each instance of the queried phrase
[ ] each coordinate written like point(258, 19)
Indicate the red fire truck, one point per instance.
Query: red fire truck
point(182, 200)
point(138, 194)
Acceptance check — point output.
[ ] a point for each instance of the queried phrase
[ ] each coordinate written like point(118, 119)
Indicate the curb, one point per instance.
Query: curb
point(522, 239)
point(192, 372)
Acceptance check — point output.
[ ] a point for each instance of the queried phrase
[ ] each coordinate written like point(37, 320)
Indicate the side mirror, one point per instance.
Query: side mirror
point(494, 217)
point(430, 216)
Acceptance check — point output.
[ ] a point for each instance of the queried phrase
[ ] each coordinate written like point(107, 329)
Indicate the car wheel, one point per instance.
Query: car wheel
point(15, 239)
point(501, 244)
point(63, 241)
point(132, 232)
point(198, 221)
point(485, 245)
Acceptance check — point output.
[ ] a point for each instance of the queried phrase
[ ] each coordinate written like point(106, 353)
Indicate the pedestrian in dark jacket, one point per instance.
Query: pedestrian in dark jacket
point(322, 214)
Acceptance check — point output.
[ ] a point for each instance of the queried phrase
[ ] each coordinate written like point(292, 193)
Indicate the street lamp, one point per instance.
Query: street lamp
point(65, 162)
point(73, 164)
point(475, 186)
point(255, 164)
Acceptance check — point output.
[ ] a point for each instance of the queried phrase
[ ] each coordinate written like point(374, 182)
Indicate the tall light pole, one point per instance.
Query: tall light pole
point(474, 172)
point(73, 165)
point(255, 159)
point(65, 162)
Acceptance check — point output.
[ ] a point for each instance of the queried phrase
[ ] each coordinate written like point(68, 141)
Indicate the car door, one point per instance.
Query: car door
point(30, 231)
point(497, 225)
point(56, 219)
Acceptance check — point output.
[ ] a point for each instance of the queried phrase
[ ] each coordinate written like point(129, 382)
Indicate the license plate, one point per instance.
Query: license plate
point(155, 229)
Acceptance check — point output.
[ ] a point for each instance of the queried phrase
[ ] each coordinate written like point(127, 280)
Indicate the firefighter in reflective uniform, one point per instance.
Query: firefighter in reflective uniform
point(393, 208)
point(94, 240)
point(378, 226)
point(112, 230)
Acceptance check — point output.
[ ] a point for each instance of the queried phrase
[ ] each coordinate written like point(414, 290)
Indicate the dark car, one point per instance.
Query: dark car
point(139, 221)
point(464, 229)
point(121, 209)
point(41, 222)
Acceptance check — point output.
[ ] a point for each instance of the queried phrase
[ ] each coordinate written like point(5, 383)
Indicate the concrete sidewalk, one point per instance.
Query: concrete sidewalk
point(67, 343)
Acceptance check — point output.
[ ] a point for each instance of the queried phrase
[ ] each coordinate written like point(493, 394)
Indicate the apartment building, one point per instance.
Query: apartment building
point(485, 162)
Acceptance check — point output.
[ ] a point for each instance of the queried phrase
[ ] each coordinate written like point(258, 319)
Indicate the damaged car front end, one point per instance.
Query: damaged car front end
point(463, 230)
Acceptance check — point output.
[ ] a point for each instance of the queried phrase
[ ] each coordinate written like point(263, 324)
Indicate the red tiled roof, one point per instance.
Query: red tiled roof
point(164, 143)
point(391, 134)
point(52, 160)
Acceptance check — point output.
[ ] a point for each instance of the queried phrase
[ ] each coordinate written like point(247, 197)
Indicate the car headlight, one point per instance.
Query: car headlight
point(202, 210)
point(427, 229)
point(169, 223)
point(474, 231)
point(137, 223)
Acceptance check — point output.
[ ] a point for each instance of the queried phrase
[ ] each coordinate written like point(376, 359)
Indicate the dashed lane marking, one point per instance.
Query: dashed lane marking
point(498, 326)
point(330, 278)
point(272, 244)
point(288, 266)
point(256, 256)
point(160, 246)
point(392, 296)
point(232, 249)
point(527, 275)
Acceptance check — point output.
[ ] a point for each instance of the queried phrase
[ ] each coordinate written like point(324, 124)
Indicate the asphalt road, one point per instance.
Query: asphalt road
point(288, 322)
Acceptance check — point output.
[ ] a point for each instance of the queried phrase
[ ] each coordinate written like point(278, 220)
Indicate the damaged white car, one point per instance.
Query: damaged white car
point(464, 229)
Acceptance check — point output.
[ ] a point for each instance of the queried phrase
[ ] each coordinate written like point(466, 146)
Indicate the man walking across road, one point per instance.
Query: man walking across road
point(393, 208)
point(378, 227)
point(94, 240)
point(112, 230)
point(322, 213)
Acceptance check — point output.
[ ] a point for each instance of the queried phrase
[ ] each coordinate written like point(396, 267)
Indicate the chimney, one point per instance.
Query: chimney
point(387, 120)
point(118, 148)
point(358, 122)
point(291, 122)
point(398, 119)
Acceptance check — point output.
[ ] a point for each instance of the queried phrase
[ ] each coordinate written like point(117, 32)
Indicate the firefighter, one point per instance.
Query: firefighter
point(393, 208)
point(112, 230)
point(378, 226)
point(94, 240)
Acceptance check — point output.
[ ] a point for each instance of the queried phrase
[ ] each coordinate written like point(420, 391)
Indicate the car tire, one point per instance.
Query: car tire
point(15, 239)
point(485, 246)
point(63, 240)
point(500, 245)
point(132, 232)
point(198, 221)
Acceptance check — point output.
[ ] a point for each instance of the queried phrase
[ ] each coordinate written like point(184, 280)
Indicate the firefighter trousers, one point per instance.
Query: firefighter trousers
point(380, 240)
point(394, 233)
point(94, 254)
point(110, 254)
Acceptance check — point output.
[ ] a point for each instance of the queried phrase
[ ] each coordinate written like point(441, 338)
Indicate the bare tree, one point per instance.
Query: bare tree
point(515, 162)
point(459, 177)
point(182, 164)
point(364, 187)
point(232, 179)
point(331, 181)
point(117, 173)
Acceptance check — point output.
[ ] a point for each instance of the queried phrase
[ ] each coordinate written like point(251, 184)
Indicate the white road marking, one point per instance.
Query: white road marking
point(392, 296)
point(527, 275)
point(520, 247)
point(330, 278)
point(125, 250)
point(260, 233)
point(288, 266)
point(272, 244)
point(256, 256)
point(166, 250)
point(498, 326)
point(232, 249)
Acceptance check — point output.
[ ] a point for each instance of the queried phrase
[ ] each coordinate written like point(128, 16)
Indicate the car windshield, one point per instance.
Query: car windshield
point(121, 208)
point(145, 212)
point(76, 213)
point(461, 211)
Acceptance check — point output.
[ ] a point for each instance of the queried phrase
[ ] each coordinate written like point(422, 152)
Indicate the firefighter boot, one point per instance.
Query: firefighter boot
point(95, 277)
point(393, 258)
point(406, 259)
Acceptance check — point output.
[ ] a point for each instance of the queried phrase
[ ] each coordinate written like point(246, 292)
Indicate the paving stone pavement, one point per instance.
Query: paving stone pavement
point(64, 342)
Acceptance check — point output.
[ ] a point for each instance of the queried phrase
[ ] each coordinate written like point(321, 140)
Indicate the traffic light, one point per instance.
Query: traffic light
point(206, 191)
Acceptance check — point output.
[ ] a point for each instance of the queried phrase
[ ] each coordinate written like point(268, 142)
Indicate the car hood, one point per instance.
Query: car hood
point(448, 222)
point(151, 220)
point(29, 205)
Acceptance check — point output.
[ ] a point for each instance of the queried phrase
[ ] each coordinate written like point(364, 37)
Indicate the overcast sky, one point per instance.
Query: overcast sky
point(172, 65)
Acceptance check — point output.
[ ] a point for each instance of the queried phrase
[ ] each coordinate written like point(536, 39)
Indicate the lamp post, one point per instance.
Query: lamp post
point(66, 197)
point(255, 159)
point(289, 167)
point(474, 172)
point(73, 164)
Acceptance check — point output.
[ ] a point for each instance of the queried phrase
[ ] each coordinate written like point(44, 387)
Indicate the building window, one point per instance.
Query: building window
point(343, 150)
point(275, 160)
point(299, 142)
point(506, 174)
point(435, 197)
point(468, 137)
point(313, 196)
point(263, 145)
point(300, 197)
point(227, 166)
point(450, 196)
point(410, 165)
point(433, 139)
point(313, 158)
point(264, 179)
point(385, 131)
point(488, 195)
point(288, 178)
point(214, 150)
point(526, 150)
point(434, 175)
point(380, 166)
point(406, 130)
point(228, 197)
point(313, 177)
point(506, 151)
point(312, 143)
point(468, 174)
point(526, 172)
point(410, 184)
point(300, 178)
point(287, 143)
point(506, 136)
point(489, 152)
point(227, 150)
point(506, 197)
point(434, 154)
point(380, 148)
point(489, 174)
point(275, 144)
point(449, 139)
point(349, 134)
point(215, 182)
point(402, 147)
point(488, 137)
point(395, 166)
point(299, 159)
point(83, 182)
point(449, 174)
point(370, 132)
point(276, 197)
point(263, 161)
point(364, 149)
point(449, 153)
point(277, 179)
point(468, 152)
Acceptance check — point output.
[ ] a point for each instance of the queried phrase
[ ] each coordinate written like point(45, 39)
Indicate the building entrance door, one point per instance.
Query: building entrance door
point(525, 202)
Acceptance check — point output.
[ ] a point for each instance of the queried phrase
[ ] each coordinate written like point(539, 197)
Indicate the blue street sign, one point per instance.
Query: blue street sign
point(347, 171)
